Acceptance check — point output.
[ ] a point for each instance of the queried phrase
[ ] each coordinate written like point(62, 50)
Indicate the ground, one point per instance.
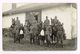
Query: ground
point(9, 45)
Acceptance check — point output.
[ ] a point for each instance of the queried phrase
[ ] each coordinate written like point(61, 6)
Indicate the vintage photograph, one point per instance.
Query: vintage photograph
point(39, 26)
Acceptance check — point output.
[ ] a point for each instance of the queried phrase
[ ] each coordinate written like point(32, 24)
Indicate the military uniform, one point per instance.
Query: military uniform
point(46, 22)
point(17, 22)
point(20, 33)
point(52, 22)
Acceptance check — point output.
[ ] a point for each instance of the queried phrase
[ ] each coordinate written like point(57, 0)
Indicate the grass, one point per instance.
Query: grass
point(9, 45)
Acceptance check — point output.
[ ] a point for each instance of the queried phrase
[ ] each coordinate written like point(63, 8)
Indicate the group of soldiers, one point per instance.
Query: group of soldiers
point(53, 34)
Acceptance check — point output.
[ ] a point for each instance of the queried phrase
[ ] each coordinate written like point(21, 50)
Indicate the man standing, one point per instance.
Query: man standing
point(17, 26)
point(55, 20)
point(17, 22)
point(21, 32)
point(46, 22)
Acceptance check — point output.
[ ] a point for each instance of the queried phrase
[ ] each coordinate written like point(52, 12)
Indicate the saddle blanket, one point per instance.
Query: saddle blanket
point(21, 31)
point(42, 33)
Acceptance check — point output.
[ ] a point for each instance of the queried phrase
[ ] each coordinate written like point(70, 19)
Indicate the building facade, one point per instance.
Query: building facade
point(66, 13)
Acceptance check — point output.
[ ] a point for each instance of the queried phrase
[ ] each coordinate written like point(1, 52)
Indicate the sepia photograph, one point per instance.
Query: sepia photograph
point(39, 26)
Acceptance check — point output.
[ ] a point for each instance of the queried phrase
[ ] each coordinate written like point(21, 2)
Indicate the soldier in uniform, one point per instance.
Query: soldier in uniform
point(55, 20)
point(52, 22)
point(46, 24)
point(17, 22)
point(21, 32)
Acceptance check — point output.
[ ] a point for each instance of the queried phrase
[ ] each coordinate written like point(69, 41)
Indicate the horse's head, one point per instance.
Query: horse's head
point(13, 21)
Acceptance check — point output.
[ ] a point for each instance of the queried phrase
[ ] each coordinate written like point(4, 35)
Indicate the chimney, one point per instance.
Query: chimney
point(13, 5)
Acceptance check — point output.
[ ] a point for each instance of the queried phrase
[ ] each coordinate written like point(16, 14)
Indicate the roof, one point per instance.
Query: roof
point(33, 7)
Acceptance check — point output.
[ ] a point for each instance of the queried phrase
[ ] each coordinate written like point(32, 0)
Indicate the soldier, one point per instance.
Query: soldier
point(17, 22)
point(52, 22)
point(21, 32)
point(55, 20)
point(41, 37)
point(46, 22)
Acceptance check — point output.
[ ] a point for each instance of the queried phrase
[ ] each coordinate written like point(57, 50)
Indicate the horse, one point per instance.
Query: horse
point(48, 36)
point(60, 38)
point(17, 36)
point(60, 35)
point(54, 34)
point(31, 33)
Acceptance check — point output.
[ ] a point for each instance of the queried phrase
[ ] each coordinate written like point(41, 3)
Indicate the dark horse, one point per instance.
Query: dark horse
point(54, 33)
point(19, 36)
point(15, 30)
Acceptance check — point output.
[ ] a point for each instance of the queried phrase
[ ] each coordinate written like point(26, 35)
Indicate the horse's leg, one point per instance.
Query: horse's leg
point(35, 39)
point(13, 34)
point(46, 39)
point(57, 44)
point(38, 40)
point(19, 38)
point(31, 39)
point(14, 38)
point(62, 43)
